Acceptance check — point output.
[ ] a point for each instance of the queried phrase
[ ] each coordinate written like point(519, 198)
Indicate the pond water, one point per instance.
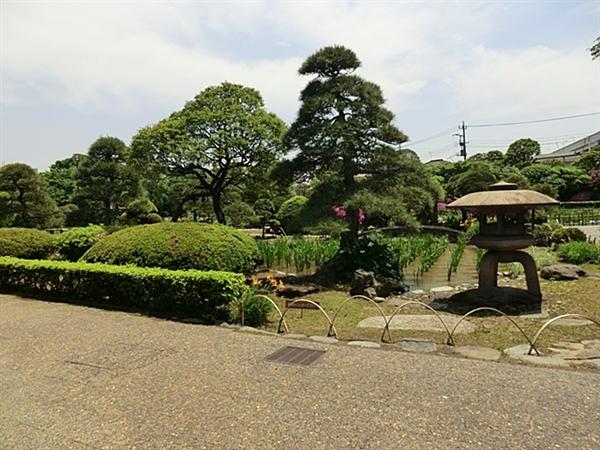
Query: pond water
point(437, 275)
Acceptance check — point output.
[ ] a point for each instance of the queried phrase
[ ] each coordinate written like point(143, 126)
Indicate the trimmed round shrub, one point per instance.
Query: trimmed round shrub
point(579, 252)
point(141, 211)
point(74, 242)
point(178, 246)
point(289, 213)
point(26, 243)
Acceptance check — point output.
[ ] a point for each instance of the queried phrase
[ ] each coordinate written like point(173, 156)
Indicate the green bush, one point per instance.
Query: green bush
point(240, 214)
point(26, 243)
point(552, 232)
point(372, 251)
point(256, 309)
point(178, 246)
point(289, 214)
point(328, 227)
point(140, 211)
point(579, 252)
point(207, 295)
point(562, 235)
point(74, 242)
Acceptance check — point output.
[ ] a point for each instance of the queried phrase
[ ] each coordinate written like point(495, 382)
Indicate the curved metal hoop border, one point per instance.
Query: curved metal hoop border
point(489, 308)
point(549, 322)
point(276, 309)
point(363, 297)
point(331, 327)
point(414, 302)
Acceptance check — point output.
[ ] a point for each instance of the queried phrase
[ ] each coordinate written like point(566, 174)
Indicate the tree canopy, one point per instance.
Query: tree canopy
point(221, 138)
point(24, 201)
point(342, 123)
point(521, 152)
point(104, 183)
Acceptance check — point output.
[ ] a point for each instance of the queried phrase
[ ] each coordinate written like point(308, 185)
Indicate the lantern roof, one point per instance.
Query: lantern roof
point(503, 195)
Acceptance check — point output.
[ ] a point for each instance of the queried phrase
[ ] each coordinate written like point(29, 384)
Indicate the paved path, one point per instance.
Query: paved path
point(592, 231)
point(76, 377)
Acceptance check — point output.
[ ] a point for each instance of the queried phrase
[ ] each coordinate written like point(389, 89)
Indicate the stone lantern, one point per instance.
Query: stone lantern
point(501, 212)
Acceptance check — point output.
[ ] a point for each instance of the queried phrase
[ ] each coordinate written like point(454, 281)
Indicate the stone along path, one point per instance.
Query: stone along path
point(76, 377)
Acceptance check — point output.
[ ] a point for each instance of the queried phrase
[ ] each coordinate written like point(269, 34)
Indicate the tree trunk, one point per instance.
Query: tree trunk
point(216, 199)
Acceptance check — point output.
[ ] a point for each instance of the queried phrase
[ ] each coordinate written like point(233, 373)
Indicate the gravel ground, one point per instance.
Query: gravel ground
point(77, 377)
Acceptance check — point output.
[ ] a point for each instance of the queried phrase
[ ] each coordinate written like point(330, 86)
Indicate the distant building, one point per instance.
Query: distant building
point(436, 161)
point(572, 152)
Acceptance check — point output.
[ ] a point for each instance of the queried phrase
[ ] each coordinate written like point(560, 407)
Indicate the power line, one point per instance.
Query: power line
point(505, 124)
point(429, 138)
point(542, 138)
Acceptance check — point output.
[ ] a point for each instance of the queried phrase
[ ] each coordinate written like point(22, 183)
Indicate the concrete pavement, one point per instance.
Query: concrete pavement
point(77, 377)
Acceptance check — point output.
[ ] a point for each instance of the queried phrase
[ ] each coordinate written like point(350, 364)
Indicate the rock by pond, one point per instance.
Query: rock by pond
point(562, 272)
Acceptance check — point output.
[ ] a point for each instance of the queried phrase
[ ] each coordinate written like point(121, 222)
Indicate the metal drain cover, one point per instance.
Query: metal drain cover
point(296, 356)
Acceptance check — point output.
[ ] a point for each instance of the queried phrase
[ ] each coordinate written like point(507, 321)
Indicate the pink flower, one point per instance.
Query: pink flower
point(340, 212)
point(361, 216)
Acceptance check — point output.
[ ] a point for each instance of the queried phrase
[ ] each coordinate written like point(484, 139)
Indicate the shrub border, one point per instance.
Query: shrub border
point(205, 294)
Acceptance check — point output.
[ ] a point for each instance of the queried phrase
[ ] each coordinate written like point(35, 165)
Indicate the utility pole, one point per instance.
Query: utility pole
point(462, 140)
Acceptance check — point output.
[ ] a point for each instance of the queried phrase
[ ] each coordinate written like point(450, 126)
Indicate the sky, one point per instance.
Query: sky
point(72, 71)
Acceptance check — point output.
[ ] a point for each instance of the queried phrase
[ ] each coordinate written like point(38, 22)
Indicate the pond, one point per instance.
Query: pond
point(437, 275)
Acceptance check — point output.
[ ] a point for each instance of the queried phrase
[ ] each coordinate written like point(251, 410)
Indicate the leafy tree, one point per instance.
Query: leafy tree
point(477, 177)
point(342, 123)
point(595, 49)
point(521, 152)
point(565, 180)
point(222, 138)
point(24, 200)
point(104, 183)
point(590, 160)
point(61, 179)
point(265, 211)
point(240, 214)
point(345, 137)
point(172, 196)
point(495, 157)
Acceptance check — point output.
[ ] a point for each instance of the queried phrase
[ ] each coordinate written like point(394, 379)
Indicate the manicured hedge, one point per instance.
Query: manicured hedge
point(204, 294)
point(74, 242)
point(26, 243)
point(178, 246)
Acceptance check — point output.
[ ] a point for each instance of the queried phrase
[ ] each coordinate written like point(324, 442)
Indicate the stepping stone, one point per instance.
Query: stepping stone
point(486, 353)
point(365, 344)
point(541, 315)
point(562, 346)
point(418, 292)
point(255, 330)
point(442, 289)
point(324, 339)
point(416, 345)
point(569, 322)
point(520, 352)
point(293, 336)
point(426, 322)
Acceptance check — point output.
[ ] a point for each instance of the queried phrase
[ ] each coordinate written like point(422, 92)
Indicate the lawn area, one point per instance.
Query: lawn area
point(559, 297)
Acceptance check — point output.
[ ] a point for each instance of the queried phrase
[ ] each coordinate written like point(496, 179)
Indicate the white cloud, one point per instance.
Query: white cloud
point(110, 56)
point(126, 58)
point(526, 83)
